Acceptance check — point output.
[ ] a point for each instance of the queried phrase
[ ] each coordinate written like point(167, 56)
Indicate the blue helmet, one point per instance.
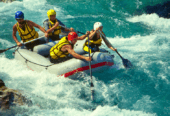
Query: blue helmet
point(19, 15)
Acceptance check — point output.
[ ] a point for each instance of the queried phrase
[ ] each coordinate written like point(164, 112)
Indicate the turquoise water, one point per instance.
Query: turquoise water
point(143, 39)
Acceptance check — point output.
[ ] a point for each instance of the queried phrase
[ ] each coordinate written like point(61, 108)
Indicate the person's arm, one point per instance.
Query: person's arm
point(92, 33)
point(53, 27)
point(71, 29)
point(36, 25)
point(46, 25)
point(83, 36)
point(108, 43)
point(46, 28)
point(14, 35)
point(74, 54)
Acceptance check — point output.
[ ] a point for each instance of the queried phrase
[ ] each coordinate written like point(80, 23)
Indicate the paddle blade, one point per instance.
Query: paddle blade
point(1, 51)
point(92, 91)
point(127, 63)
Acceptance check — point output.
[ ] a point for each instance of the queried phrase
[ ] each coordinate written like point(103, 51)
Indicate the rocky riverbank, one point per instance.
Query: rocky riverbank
point(6, 1)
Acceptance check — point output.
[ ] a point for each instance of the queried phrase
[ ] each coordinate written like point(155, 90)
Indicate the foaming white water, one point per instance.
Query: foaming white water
point(34, 4)
point(110, 111)
point(6, 43)
point(84, 16)
point(41, 6)
point(152, 20)
point(112, 6)
point(53, 95)
point(145, 103)
point(138, 43)
point(9, 8)
point(141, 49)
point(100, 111)
point(57, 95)
point(48, 86)
point(30, 7)
point(43, 84)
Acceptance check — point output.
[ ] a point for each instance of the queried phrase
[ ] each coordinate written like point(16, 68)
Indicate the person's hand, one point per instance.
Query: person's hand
point(114, 49)
point(88, 58)
point(19, 44)
point(46, 34)
point(88, 32)
point(71, 29)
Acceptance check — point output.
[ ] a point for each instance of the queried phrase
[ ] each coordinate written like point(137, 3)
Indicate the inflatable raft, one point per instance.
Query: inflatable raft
point(38, 60)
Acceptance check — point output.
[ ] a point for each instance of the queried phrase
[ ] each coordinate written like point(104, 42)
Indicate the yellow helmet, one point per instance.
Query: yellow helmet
point(51, 12)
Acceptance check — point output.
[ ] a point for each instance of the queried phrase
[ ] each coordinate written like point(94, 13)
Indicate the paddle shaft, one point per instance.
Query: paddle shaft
point(127, 64)
point(89, 61)
point(11, 47)
point(1, 51)
point(91, 78)
point(33, 40)
point(110, 43)
point(75, 31)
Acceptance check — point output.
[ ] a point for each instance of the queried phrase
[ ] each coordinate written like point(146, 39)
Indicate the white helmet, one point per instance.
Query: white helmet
point(96, 25)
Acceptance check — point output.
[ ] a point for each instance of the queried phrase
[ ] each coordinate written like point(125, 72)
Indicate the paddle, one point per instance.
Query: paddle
point(91, 78)
point(127, 64)
point(75, 31)
point(1, 51)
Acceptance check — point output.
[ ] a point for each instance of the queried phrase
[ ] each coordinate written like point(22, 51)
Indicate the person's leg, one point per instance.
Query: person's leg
point(31, 45)
point(95, 49)
point(58, 60)
point(53, 60)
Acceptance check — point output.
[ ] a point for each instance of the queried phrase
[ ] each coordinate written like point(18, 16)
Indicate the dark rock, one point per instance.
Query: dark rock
point(162, 10)
point(7, 1)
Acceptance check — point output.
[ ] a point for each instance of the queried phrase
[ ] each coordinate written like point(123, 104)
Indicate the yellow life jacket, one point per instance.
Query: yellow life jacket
point(57, 29)
point(55, 51)
point(92, 43)
point(28, 34)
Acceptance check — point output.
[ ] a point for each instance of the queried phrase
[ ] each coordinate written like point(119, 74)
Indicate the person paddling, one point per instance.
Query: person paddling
point(96, 39)
point(26, 30)
point(52, 26)
point(64, 47)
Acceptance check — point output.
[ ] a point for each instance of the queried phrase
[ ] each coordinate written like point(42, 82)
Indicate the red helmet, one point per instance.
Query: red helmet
point(72, 35)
